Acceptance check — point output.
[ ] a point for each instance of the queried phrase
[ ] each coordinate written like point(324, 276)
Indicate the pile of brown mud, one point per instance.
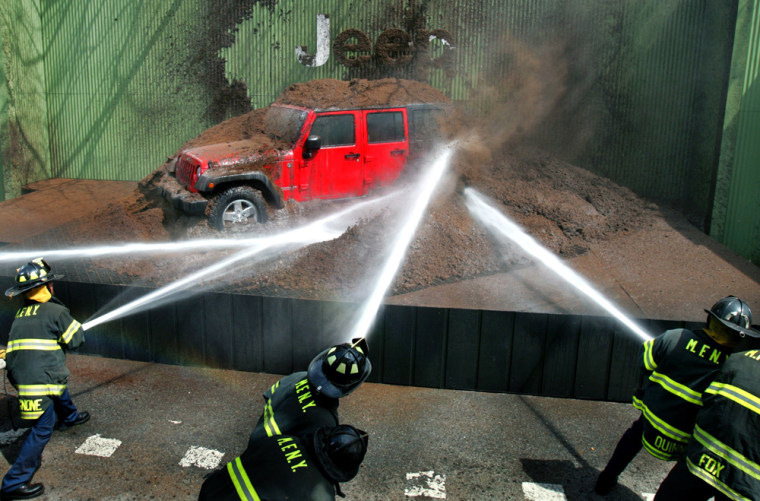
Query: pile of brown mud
point(564, 207)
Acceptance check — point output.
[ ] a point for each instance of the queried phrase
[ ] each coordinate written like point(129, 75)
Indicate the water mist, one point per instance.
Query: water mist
point(259, 249)
point(498, 223)
point(427, 186)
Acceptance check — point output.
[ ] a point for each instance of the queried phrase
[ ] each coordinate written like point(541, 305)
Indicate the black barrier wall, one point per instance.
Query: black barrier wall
point(542, 354)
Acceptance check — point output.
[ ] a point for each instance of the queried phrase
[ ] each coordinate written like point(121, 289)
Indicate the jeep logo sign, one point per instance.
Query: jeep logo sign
point(393, 47)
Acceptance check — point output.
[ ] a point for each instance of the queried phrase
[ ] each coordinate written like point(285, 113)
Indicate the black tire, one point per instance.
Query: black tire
point(237, 208)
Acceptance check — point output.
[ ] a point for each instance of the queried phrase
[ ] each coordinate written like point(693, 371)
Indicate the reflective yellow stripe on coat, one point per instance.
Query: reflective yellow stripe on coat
point(672, 386)
point(70, 331)
point(33, 344)
point(736, 458)
point(649, 362)
point(241, 481)
point(660, 425)
point(40, 390)
point(270, 425)
point(735, 394)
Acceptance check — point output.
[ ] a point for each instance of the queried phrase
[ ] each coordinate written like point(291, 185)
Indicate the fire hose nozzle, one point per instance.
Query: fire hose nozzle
point(360, 343)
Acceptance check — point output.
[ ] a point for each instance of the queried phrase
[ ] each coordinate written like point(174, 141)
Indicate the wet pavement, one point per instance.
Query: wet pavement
point(157, 430)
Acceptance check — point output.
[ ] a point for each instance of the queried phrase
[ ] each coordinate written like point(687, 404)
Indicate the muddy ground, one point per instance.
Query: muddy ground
point(566, 208)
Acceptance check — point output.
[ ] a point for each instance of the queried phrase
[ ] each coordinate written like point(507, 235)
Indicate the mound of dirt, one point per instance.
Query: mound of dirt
point(564, 207)
point(327, 94)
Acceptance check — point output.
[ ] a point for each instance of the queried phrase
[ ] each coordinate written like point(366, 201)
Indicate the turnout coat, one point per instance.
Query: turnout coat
point(35, 357)
point(680, 364)
point(725, 448)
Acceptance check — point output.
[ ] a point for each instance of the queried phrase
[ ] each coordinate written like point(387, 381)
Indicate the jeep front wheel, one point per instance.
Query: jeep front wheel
point(236, 208)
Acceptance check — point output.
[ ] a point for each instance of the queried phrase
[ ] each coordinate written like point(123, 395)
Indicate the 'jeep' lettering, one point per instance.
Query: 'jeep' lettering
point(393, 46)
point(711, 465)
point(323, 45)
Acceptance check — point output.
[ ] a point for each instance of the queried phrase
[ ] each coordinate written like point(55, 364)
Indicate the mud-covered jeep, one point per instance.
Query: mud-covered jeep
point(310, 153)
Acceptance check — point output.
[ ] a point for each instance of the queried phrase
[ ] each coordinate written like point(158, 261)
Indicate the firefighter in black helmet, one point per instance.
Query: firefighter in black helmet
point(723, 456)
point(42, 329)
point(308, 468)
point(680, 364)
point(304, 401)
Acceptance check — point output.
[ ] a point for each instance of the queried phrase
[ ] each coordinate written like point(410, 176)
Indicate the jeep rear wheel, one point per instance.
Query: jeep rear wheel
point(236, 208)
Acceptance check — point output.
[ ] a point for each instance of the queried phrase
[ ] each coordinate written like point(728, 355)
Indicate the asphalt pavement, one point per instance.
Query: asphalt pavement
point(157, 430)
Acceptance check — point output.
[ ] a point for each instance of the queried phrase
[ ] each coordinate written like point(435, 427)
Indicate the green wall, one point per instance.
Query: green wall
point(736, 213)
point(24, 139)
point(635, 90)
point(3, 121)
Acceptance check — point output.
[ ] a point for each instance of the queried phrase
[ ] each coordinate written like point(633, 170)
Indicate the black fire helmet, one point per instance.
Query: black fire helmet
point(734, 314)
point(31, 275)
point(340, 369)
point(340, 451)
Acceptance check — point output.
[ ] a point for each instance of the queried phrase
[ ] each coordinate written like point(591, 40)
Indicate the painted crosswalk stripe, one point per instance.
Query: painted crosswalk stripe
point(202, 458)
point(426, 483)
point(543, 492)
point(99, 446)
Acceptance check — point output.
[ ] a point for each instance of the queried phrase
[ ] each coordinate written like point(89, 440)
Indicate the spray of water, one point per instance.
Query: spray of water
point(155, 248)
point(496, 222)
point(258, 250)
point(130, 248)
point(427, 186)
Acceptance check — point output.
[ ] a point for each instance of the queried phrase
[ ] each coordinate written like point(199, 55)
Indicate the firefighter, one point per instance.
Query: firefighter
point(723, 455)
point(680, 364)
point(308, 468)
point(36, 365)
point(304, 401)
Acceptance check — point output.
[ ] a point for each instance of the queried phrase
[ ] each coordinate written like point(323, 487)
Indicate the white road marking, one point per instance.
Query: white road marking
point(426, 483)
point(647, 496)
point(99, 446)
point(175, 422)
point(10, 436)
point(202, 458)
point(543, 492)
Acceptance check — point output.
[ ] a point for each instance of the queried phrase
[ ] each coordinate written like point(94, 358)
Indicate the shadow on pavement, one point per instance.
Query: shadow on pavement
point(13, 429)
point(577, 482)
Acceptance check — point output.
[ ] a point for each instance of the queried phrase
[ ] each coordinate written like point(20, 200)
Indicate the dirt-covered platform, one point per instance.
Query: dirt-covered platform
point(667, 269)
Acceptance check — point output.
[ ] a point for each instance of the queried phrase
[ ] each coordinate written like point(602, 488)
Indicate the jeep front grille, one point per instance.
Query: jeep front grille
point(183, 170)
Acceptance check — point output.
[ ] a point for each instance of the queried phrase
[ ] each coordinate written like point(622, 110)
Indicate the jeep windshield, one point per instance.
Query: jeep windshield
point(284, 123)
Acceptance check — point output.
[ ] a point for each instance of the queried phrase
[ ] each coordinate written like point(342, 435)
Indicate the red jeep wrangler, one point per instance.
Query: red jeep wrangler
point(313, 154)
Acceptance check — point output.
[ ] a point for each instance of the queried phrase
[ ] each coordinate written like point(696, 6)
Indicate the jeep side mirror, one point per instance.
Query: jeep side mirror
point(312, 144)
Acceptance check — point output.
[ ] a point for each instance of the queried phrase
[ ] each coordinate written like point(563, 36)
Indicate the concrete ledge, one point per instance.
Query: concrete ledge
point(572, 356)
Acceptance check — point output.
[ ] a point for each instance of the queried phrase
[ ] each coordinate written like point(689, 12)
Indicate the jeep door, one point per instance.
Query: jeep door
point(387, 145)
point(335, 170)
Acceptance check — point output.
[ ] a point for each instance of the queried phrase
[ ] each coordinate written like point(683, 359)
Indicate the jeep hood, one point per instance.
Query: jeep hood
point(233, 153)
